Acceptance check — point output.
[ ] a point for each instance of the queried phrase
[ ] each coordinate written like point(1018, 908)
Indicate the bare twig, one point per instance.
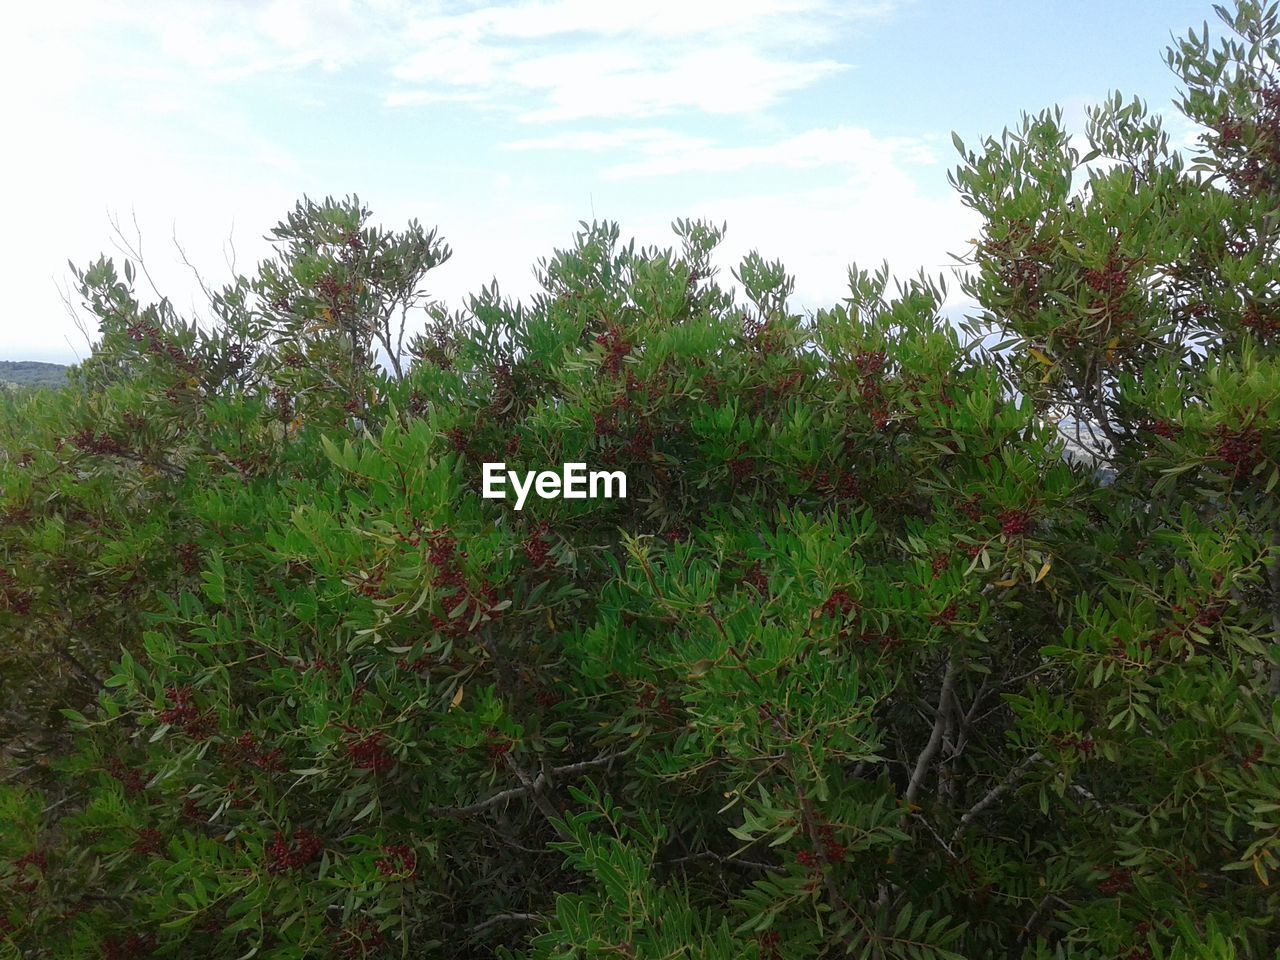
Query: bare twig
point(133, 249)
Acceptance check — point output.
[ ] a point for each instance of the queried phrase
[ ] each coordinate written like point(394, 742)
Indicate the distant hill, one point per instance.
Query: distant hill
point(33, 373)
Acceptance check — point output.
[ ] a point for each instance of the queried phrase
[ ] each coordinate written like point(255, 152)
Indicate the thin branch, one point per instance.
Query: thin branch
point(925, 760)
point(1273, 686)
point(538, 783)
point(498, 918)
point(133, 250)
point(230, 260)
point(726, 861)
point(208, 295)
point(994, 794)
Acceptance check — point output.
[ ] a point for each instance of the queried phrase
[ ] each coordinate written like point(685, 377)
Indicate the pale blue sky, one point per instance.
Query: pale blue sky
point(818, 129)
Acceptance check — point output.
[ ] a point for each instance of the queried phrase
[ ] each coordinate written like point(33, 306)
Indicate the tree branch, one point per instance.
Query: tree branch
point(994, 793)
point(528, 785)
point(930, 751)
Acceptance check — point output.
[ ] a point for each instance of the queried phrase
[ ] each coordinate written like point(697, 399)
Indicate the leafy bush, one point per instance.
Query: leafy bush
point(862, 664)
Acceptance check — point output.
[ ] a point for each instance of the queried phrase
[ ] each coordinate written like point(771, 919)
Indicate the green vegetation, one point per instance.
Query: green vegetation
point(862, 666)
point(32, 373)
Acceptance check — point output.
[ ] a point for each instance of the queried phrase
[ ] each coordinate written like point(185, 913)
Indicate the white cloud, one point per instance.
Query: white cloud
point(718, 81)
point(131, 105)
point(646, 140)
point(573, 59)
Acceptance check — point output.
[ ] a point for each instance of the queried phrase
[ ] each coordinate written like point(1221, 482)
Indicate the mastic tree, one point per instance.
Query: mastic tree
point(868, 661)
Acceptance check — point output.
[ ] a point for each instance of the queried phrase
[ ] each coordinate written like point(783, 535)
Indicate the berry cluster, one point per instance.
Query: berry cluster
point(284, 404)
point(1252, 757)
point(145, 330)
point(1112, 280)
point(758, 579)
point(284, 854)
point(1084, 745)
point(537, 548)
point(370, 584)
point(334, 290)
point(504, 388)
point(616, 348)
point(318, 665)
point(869, 362)
point(100, 443)
point(131, 778)
point(769, 941)
point(1264, 325)
point(1252, 163)
point(1020, 260)
point(182, 713)
point(443, 552)
point(639, 445)
point(1014, 523)
point(1117, 881)
point(606, 425)
point(741, 468)
point(150, 842)
point(1161, 428)
point(188, 558)
point(371, 753)
point(497, 745)
point(398, 861)
point(245, 749)
point(1239, 449)
point(459, 441)
point(1022, 275)
point(237, 357)
point(832, 851)
point(839, 604)
point(944, 617)
point(940, 564)
point(418, 665)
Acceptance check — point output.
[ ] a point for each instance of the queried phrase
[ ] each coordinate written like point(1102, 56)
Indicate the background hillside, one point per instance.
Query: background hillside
point(33, 373)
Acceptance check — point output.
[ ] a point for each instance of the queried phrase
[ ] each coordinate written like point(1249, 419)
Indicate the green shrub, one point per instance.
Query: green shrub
point(862, 663)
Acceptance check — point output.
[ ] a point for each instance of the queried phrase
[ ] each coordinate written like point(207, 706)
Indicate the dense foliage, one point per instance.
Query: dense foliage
point(862, 664)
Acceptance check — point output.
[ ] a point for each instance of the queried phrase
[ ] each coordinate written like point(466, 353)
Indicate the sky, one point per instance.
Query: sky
point(818, 130)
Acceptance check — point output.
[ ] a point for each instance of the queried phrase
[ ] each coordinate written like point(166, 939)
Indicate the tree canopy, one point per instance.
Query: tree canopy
point(862, 665)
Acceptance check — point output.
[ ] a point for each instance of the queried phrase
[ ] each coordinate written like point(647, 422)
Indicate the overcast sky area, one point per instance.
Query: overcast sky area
point(820, 130)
